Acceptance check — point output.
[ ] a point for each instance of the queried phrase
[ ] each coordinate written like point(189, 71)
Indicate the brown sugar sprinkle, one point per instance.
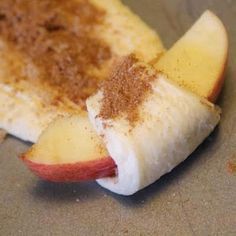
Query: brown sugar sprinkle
point(59, 38)
point(126, 89)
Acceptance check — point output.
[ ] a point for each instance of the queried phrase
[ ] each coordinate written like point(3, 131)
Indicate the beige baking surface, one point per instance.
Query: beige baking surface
point(197, 198)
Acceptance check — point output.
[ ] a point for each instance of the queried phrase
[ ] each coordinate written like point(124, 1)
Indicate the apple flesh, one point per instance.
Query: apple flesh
point(197, 60)
point(70, 150)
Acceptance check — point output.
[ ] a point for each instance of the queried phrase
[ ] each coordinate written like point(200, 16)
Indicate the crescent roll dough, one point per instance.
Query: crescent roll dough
point(173, 122)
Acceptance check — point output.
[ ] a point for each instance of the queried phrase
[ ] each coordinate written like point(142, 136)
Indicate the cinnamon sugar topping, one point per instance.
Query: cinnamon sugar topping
point(60, 38)
point(126, 89)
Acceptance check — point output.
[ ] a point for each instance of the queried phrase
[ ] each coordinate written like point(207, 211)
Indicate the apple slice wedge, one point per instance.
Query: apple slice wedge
point(197, 61)
point(70, 150)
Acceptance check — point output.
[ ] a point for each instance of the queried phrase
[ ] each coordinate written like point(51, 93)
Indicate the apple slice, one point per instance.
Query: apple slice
point(70, 150)
point(198, 60)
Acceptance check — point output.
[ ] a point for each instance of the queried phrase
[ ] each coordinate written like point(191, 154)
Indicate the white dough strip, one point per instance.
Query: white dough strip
point(173, 124)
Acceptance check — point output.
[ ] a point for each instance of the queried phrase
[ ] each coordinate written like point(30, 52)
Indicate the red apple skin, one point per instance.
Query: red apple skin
point(74, 172)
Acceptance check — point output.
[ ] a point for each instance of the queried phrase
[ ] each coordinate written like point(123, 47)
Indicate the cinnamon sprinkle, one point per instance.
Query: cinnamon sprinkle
point(231, 165)
point(126, 89)
point(59, 37)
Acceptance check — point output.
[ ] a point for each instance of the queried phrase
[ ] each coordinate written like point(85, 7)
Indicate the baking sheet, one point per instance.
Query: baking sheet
point(197, 198)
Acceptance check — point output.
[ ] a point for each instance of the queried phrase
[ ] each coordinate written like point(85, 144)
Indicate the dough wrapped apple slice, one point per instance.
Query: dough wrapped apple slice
point(70, 150)
point(207, 20)
point(149, 124)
